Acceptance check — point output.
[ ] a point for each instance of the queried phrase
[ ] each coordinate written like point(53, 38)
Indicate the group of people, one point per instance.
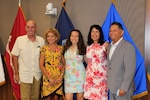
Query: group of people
point(110, 66)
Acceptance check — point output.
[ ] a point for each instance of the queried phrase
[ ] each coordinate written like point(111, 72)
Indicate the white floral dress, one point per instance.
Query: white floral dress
point(96, 73)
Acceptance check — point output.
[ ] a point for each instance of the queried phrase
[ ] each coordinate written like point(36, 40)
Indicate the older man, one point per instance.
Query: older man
point(26, 62)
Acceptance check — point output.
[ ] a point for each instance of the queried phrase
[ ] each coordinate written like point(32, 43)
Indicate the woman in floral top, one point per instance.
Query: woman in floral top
point(96, 71)
point(74, 77)
point(51, 64)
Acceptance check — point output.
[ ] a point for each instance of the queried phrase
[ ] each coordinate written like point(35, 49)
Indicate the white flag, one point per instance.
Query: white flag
point(2, 76)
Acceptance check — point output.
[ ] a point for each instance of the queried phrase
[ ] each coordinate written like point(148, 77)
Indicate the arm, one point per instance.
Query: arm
point(43, 68)
point(16, 68)
point(60, 78)
point(106, 45)
point(130, 66)
point(63, 64)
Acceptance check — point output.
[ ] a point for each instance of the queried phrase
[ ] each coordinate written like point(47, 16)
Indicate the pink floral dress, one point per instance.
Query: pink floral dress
point(96, 73)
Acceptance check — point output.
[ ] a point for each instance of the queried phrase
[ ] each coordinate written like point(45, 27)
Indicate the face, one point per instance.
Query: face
point(115, 33)
point(30, 28)
point(51, 38)
point(74, 38)
point(95, 35)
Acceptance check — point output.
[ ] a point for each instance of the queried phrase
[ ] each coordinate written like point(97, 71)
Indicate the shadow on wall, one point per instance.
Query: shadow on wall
point(1, 47)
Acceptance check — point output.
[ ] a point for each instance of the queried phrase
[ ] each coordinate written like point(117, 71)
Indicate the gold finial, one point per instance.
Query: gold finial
point(63, 4)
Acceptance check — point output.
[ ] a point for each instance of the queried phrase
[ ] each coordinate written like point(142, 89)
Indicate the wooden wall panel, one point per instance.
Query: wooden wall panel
point(6, 90)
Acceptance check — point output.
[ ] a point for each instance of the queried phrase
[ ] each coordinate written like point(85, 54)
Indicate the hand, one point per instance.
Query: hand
point(51, 79)
point(59, 79)
point(52, 83)
point(16, 78)
point(121, 92)
point(55, 81)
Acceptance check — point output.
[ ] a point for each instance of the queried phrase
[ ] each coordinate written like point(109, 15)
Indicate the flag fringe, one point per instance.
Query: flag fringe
point(14, 96)
point(140, 95)
point(148, 76)
point(2, 83)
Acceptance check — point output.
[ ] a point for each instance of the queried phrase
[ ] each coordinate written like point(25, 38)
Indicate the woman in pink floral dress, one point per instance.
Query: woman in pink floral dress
point(96, 71)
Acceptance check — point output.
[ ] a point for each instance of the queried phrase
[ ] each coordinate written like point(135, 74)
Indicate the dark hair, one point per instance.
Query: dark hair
point(118, 24)
point(101, 39)
point(80, 44)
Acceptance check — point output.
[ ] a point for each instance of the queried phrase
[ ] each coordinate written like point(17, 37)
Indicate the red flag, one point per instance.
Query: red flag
point(17, 30)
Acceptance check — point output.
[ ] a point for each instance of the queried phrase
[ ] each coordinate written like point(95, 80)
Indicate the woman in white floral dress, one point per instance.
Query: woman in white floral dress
point(96, 71)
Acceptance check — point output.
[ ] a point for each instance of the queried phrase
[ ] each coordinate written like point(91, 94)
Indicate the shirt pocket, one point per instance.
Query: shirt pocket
point(37, 51)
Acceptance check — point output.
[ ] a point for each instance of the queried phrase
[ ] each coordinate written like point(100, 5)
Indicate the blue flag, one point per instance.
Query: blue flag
point(64, 26)
point(148, 73)
point(140, 74)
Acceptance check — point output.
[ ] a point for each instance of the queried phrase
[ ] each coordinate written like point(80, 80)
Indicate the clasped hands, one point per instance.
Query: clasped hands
point(55, 81)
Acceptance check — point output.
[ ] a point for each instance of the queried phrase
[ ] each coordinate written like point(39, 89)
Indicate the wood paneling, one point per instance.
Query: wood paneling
point(6, 90)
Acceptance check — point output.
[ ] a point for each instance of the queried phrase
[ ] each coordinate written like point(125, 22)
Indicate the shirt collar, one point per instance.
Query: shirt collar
point(27, 39)
point(117, 42)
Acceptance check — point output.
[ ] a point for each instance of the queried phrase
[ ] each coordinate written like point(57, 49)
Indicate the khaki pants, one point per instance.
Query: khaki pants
point(30, 91)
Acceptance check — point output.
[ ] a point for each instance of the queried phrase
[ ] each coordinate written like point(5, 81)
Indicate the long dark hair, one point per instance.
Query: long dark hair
point(80, 44)
point(101, 39)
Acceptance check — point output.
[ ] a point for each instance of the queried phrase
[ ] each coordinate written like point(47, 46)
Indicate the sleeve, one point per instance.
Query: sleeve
point(42, 50)
point(130, 66)
point(15, 50)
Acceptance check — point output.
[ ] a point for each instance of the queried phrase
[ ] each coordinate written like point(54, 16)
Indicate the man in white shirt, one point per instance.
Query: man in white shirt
point(25, 53)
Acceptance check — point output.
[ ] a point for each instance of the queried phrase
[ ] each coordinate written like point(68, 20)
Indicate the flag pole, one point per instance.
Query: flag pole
point(19, 3)
point(114, 2)
point(63, 4)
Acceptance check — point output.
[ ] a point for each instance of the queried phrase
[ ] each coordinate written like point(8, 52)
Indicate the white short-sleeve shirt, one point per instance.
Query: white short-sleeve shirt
point(28, 53)
point(113, 47)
